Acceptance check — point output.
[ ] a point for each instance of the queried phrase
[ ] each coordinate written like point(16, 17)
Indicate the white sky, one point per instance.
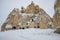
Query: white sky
point(6, 6)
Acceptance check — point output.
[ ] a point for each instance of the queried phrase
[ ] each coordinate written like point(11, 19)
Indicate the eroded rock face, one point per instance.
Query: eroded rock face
point(57, 30)
point(56, 18)
point(30, 17)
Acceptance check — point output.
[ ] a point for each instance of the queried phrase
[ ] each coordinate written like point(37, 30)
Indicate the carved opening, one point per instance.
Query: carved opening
point(32, 20)
point(22, 10)
point(13, 27)
point(23, 28)
point(38, 27)
point(34, 26)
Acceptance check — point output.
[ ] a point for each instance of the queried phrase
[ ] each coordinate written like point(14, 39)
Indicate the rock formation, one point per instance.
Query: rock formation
point(31, 17)
point(56, 17)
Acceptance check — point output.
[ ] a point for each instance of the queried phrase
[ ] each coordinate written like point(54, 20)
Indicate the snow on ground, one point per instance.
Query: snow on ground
point(29, 34)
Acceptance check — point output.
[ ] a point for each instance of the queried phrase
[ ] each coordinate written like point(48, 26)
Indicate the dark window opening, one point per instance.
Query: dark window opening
point(32, 20)
point(22, 9)
point(38, 27)
point(34, 26)
point(23, 28)
point(14, 27)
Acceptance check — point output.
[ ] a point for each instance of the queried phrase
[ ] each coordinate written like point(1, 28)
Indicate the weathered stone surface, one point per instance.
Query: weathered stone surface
point(30, 17)
point(56, 17)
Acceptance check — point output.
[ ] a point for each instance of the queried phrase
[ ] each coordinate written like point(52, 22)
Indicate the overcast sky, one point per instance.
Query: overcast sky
point(6, 7)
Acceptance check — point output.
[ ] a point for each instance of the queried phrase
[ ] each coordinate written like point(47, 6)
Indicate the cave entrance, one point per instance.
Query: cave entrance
point(34, 26)
point(23, 28)
point(38, 26)
point(14, 27)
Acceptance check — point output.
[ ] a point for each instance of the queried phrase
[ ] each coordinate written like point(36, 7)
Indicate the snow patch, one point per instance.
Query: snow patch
point(8, 26)
point(30, 34)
